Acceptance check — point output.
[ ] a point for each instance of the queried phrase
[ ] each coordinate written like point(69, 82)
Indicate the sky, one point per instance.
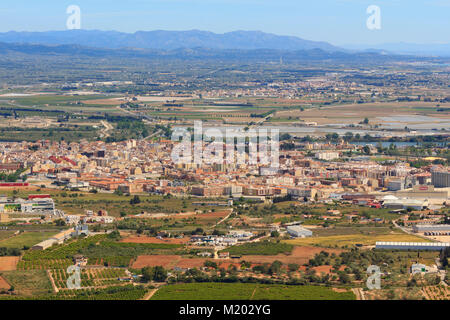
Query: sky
point(339, 22)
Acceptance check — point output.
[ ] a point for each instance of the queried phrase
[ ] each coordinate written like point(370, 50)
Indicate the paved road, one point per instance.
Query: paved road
point(406, 230)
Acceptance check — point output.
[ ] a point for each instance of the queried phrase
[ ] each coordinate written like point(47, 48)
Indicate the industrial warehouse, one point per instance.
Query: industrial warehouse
point(434, 229)
point(35, 204)
point(434, 246)
point(299, 232)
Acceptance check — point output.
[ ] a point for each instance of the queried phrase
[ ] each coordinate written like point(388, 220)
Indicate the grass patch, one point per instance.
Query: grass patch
point(28, 239)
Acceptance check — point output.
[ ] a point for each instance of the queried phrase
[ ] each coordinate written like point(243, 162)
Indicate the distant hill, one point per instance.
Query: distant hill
point(16, 51)
point(167, 40)
point(407, 48)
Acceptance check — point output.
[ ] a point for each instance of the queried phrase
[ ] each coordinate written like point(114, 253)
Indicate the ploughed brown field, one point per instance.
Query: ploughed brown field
point(145, 239)
point(217, 214)
point(299, 255)
point(4, 285)
point(8, 263)
point(202, 216)
point(168, 261)
point(171, 261)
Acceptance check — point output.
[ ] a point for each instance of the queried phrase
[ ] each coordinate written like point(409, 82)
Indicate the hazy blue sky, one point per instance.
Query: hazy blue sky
point(336, 21)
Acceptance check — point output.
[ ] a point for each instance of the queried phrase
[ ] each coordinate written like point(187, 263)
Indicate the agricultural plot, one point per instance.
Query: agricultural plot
point(240, 291)
point(353, 113)
point(436, 293)
point(99, 250)
point(166, 261)
point(351, 230)
point(119, 254)
point(5, 234)
point(8, 263)
point(43, 264)
point(145, 239)
point(396, 293)
point(260, 248)
point(63, 251)
point(4, 285)
point(30, 282)
point(117, 204)
point(353, 239)
point(27, 239)
point(90, 277)
point(54, 134)
point(128, 292)
point(299, 255)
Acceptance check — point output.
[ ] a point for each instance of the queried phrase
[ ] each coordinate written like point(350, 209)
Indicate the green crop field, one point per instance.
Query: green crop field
point(28, 239)
point(98, 249)
point(124, 292)
point(247, 291)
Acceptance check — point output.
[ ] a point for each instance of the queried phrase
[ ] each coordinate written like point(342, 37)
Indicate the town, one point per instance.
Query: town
point(192, 165)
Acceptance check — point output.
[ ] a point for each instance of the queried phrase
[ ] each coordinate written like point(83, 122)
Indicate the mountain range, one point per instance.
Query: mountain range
point(167, 40)
point(195, 39)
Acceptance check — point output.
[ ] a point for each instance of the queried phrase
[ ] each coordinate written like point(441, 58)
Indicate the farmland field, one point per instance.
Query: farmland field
point(351, 113)
point(436, 293)
point(4, 285)
point(30, 282)
point(5, 234)
point(144, 239)
point(77, 201)
point(299, 255)
point(95, 277)
point(352, 239)
point(168, 261)
point(127, 292)
point(98, 249)
point(240, 291)
point(259, 248)
point(28, 239)
point(8, 263)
